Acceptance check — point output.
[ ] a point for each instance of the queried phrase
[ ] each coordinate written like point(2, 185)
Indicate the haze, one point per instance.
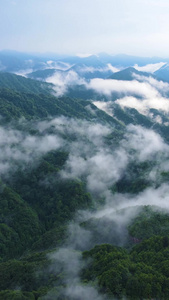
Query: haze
point(137, 27)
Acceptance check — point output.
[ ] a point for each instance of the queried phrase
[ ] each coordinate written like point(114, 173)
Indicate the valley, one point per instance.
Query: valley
point(84, 177)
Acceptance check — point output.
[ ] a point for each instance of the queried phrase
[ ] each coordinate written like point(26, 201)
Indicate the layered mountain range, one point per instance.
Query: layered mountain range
point(84, 170)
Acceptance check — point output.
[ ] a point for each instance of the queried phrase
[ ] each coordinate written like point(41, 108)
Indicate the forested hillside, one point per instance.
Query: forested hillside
point(22, 84)
point(83, 197)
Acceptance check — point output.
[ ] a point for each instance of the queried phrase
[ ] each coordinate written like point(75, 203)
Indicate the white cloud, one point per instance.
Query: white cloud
point(112, 68)
point(50, 64)
point(108, 86)
point(144, 105)
point(63, 80)
point(19, 148)
point(142, 95)
point(150, 68)
point(24, 72)
point(105, 106)
point(100, 164)
point(91, 156)
point(71, 262)
point(151, 196)
point(109, 67)
point(161, 86)
point(147, 143)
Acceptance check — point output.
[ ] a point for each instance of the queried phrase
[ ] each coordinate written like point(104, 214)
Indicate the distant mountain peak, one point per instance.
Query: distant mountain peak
point(163, 73)
point(127, 74)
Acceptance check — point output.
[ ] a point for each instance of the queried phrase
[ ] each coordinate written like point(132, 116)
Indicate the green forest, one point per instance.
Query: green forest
point(123, 251)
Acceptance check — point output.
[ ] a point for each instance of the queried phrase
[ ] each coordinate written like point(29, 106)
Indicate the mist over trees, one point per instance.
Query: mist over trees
point(84, 170)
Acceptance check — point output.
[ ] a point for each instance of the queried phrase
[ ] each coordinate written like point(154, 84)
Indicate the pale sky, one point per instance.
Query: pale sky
point(137, 27)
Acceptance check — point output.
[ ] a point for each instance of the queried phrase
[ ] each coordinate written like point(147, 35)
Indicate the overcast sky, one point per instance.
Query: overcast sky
point(138, 27)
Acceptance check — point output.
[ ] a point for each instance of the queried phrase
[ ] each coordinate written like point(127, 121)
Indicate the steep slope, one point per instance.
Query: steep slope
point(43, 74)
point(22, 84)
point(139, 274)
point(163, 73)
point(14, 105)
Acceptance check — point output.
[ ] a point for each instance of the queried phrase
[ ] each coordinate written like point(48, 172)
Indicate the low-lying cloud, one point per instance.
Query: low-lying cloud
point(113, 69)
point(109, 86)
point(144, 105)
point(90, 69)
point(159, 85)
point(70, 263)
point(103, 163)
point(24, 72)
point(142, 93)
point(150, 68)
point(69, 77)
point(99, 161)
point(105, 106)
point(147, 144)
point(50, 64)
point(62, 81)
point(93, 155)
point(19, 148)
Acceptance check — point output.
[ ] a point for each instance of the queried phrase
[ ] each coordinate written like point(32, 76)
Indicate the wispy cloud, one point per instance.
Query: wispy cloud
point(71, 263)
point(142, 93)
point(63, 80)
point(100, 162)
point(24, 72)
point(144, 105)
point(150, 68)
point(108, 86)
point(157, 97)
point(105, 106)
point(93, 156)
point(51, 64)
point(112, 68)
point(19, 148)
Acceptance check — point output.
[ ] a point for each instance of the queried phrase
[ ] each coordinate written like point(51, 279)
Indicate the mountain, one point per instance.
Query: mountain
point(22, 84)
point(93, 70)
point(15, 105)
point(18, 62)
point(84, 192)
point(44, 74)
point(123, 60)
point(13, 61)
point(128, 74)
point(92, 59)
point(90, 68)
point(163, 73)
